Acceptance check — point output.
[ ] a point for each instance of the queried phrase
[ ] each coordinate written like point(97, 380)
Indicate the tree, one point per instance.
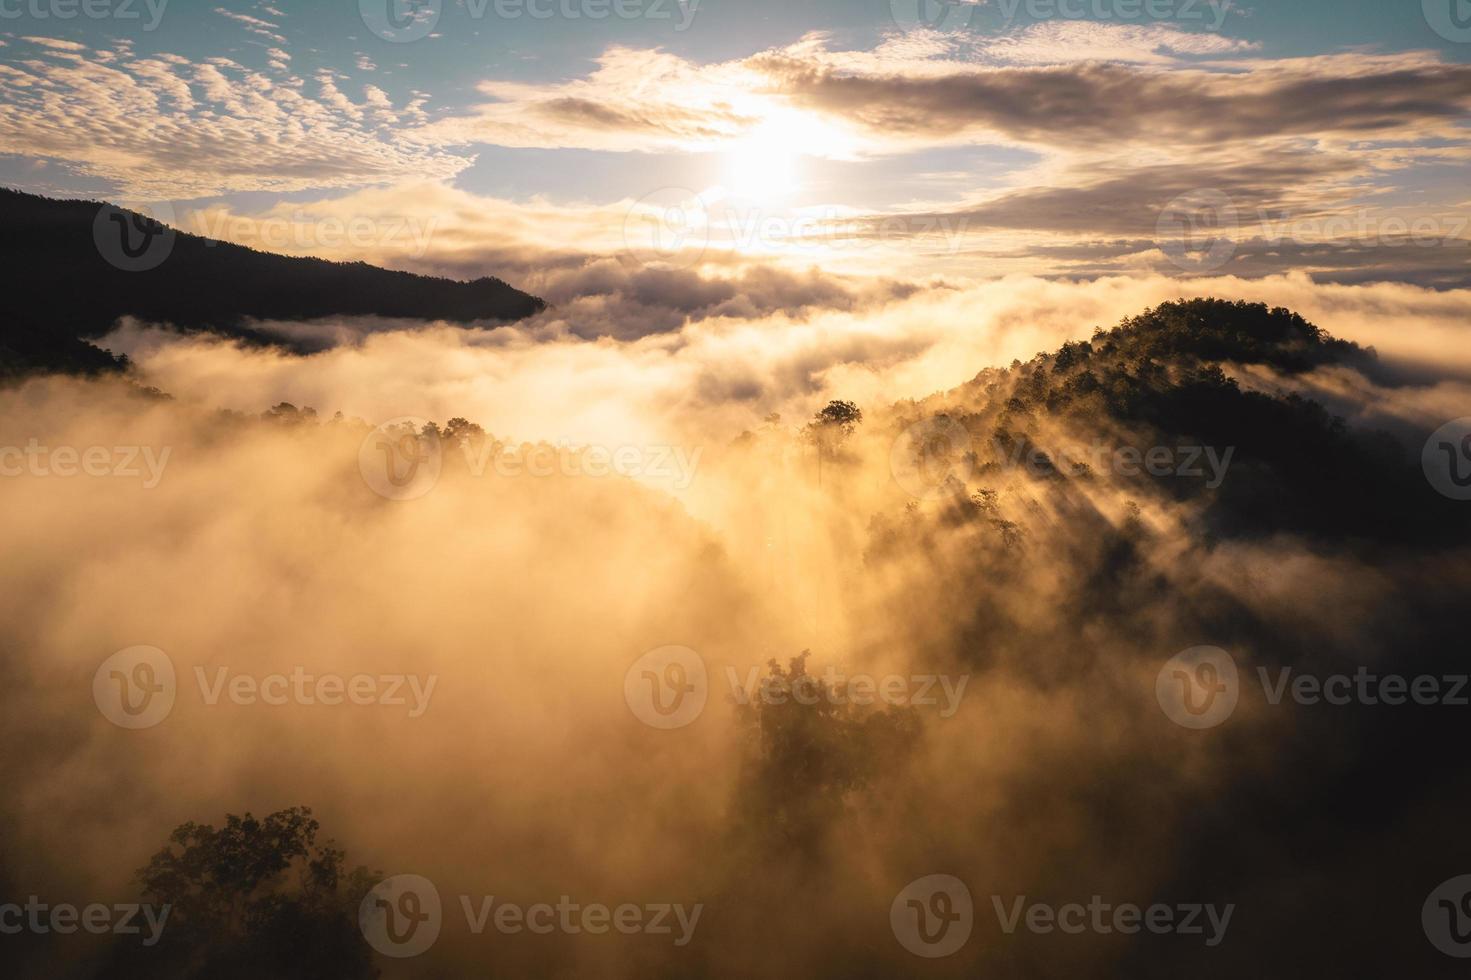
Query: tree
point(840, 416)
point(832, 427)
point(254, 898)
point(288, 414)
point(810, 749)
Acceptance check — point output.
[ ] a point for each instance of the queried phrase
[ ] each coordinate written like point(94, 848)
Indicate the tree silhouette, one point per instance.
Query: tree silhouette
point(832, 427)
point(811, 748)
point(253, 898)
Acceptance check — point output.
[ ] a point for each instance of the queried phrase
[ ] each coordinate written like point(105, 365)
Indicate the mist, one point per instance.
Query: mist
point(514, 600)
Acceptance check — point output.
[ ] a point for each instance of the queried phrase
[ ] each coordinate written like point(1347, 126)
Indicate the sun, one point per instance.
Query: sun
point(766, 164)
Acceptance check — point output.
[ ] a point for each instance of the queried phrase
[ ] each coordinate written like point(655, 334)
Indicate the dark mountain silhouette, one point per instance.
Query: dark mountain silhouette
point(75, 267)
point(1324, 816)
point(1163, 378)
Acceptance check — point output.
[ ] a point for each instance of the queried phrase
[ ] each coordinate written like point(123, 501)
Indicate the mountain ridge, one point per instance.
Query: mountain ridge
point(73, 280)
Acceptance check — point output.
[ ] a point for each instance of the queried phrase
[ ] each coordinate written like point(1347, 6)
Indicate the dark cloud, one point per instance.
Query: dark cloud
point(1082, 104)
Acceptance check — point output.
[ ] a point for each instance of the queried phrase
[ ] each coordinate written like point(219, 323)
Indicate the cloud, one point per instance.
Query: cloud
point(1029, 88)
point(1064, 41)
point(528, 598)
point(255, 25)
point(672, 349)
point(165, 127)
point(56, 44)
point(1289, 215)
point(1145, 116)
point(1110, 140)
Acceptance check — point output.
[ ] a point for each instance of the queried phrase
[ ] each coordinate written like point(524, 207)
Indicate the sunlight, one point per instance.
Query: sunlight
point(765, 165)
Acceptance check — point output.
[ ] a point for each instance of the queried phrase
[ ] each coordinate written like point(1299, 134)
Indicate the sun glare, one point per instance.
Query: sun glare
point(766, 164)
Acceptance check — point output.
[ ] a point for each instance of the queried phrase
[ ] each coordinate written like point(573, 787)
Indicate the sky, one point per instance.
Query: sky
point(1046, 137)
